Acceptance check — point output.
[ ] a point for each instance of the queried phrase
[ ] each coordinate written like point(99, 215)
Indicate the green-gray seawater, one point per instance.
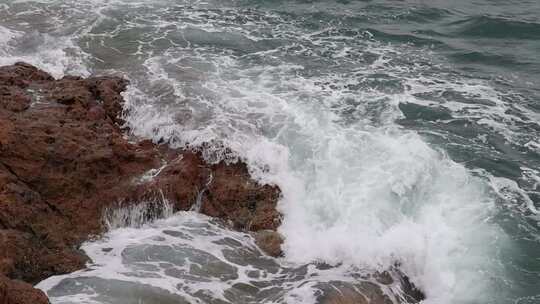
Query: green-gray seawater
point(399, 131)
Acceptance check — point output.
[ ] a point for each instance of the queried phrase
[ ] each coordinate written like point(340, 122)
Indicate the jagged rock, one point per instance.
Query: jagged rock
point(351, 293)
point(17, 292)
point(64, 160)
point(269, 241)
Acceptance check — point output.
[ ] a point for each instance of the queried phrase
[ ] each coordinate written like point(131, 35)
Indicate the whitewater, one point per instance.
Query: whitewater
point(320, 105)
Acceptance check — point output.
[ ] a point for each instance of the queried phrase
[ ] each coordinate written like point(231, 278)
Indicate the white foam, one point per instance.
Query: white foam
point(510, 191)
point(53, 54)
point(363, 195)
point(357, 189)
point(6, 36)
point(138, 214)
point(166, 255)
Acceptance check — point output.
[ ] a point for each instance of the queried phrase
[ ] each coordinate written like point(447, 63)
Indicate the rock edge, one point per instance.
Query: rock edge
point(64, 160)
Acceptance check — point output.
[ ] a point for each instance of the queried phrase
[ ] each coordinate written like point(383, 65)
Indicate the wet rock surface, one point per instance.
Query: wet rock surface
point(348, 293)
point(64, 159)
point(203, 260)
point(269, 242)
point(18, 292)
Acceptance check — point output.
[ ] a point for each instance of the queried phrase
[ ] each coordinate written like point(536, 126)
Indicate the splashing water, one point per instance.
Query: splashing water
point(137, 215)
point(386, 153)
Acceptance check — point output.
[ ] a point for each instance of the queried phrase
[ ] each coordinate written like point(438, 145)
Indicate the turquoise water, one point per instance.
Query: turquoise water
point(399, 131)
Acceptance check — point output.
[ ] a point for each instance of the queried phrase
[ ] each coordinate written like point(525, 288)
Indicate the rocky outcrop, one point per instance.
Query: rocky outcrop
point(370, 289)
point(64, 160)
point(269, 242)
point(17, 292)
point(348, 293)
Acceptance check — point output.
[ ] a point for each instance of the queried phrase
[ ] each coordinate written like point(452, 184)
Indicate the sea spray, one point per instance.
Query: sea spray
point(136, 214)
point(375, 195)
point(309, 95)
point(191, 258)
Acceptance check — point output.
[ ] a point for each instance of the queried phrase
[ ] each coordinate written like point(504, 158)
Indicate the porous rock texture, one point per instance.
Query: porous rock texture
point(64, 159)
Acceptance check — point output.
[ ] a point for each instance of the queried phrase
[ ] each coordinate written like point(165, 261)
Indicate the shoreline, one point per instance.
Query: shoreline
point(64, 161)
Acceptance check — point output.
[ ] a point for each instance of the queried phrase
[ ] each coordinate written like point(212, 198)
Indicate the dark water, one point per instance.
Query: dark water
point(412, 126)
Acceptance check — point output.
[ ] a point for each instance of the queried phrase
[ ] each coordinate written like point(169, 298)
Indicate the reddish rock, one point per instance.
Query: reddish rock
point(17, 292)
point(351, 293)
point(269, 242)
point(64, 160)
point(366, 291)
point(21, 74)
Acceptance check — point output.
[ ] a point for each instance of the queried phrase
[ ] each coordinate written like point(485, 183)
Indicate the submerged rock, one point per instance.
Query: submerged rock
point(269, 242)
point(64, 160)
point(351, 293)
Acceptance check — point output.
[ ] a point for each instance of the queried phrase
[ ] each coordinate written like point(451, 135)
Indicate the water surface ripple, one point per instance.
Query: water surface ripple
point(399, 131)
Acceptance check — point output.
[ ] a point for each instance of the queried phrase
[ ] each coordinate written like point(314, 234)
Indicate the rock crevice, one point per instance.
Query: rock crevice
point(64, 160)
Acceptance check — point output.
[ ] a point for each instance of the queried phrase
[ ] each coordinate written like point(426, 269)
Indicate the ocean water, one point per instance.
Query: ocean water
point(400, 132)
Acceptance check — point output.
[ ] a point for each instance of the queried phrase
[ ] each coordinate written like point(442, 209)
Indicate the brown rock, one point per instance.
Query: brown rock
point(241, 200)
point(13, 98)
point(269, 242)
point(64, 160)
point(96, 113)
point(351, 293)
point(21, 74)
point(17, 292)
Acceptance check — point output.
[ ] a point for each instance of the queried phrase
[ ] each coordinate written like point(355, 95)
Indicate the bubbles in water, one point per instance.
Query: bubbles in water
point(126, 214)
point(190, 258)
point(311, 107)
